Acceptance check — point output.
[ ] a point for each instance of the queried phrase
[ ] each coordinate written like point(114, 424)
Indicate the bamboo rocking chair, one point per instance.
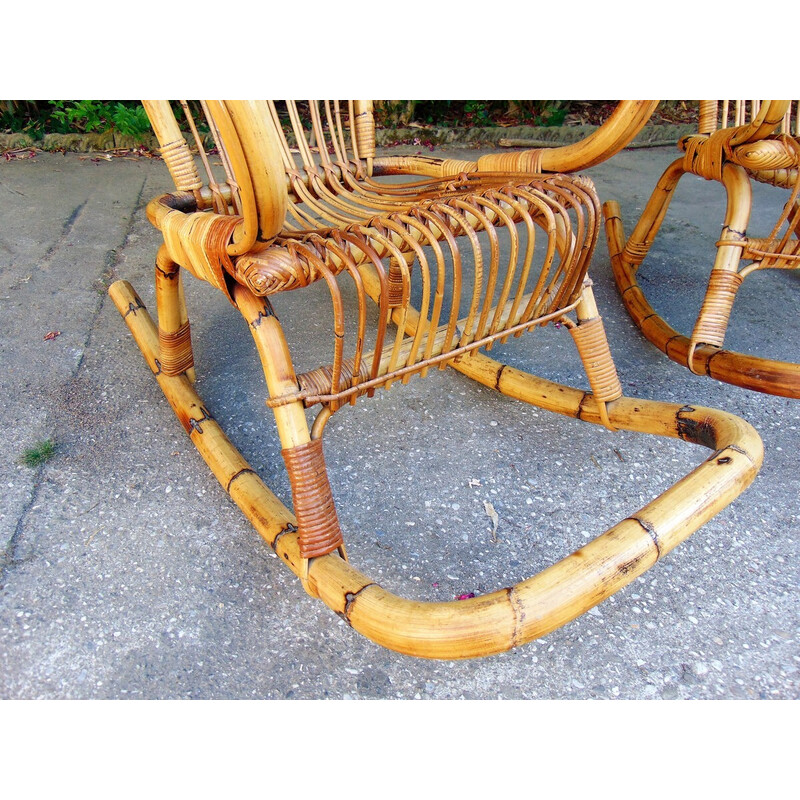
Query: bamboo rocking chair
point(437, 269)
point(735, 152)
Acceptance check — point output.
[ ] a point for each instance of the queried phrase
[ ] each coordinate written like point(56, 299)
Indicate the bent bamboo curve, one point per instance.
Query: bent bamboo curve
point(616, 133)
point(509, 617)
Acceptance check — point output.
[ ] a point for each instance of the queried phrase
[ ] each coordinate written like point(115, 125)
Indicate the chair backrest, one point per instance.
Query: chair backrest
point(754, 119)
point(266, 150)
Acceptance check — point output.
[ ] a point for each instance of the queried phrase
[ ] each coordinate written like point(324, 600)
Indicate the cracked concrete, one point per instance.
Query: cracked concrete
point(129, 574)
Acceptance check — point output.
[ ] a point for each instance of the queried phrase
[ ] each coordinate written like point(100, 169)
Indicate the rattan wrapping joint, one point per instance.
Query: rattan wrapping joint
point(199, 242)
point(319, 381)
point(318, 525)
point(707, 155)
point(716, 310)
point(365, 134)
point(181, 166)
point(175, 350)
point(525, 161)
point(590, 339)
point(634, 252)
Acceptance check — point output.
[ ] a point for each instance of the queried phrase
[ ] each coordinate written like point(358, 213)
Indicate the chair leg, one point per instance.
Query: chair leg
point(724, 281)
point(592, 343)
point(174, 334)
point(319, 530)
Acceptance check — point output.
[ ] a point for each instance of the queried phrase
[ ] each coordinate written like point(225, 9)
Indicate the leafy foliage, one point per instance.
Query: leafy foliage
point(98, 115)
point(390, 113)
point(38, 117)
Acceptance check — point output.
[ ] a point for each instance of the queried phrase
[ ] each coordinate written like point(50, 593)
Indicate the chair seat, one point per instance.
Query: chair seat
point(285, 265)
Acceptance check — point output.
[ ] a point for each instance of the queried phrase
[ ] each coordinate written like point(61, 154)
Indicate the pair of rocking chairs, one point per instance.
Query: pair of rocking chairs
point(421, 274)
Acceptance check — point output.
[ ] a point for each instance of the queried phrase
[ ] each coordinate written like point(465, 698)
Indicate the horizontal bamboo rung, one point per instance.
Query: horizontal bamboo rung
point(315, 385)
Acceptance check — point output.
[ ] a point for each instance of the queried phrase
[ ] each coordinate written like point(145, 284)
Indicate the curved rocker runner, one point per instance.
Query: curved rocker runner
point(437, 270)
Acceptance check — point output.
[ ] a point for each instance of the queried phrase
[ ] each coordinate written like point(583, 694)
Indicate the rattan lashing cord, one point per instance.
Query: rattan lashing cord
point(175, 350)
point(180, 162)
point(715, 312)
point(317, 522)
point(592, 343)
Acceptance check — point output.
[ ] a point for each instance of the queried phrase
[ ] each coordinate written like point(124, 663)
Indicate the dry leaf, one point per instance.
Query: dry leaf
point(492, 514)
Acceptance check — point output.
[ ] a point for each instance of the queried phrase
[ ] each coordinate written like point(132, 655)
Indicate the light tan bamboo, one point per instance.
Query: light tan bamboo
point(173, 318)
point(174, 149)
point(258, 147)
point(509, 617)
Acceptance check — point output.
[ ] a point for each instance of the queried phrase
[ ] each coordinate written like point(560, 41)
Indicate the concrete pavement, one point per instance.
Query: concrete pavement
point(129, 574)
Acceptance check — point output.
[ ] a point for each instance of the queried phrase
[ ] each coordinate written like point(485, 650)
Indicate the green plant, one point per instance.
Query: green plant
point(86, 116)
point(477, 111)
point(24, 116)
point(40, 453)
point(130, 120)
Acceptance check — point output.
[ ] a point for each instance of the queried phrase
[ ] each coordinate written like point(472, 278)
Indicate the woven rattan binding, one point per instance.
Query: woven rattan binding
point(318, 525)
point(175, 350)
point(590, 339)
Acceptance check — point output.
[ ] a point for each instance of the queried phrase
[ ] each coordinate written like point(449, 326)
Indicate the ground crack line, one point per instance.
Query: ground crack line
point(8, 558)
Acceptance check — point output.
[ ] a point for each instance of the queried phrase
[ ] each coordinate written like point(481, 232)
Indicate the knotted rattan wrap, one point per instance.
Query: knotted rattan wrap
point(318, 526)
point(590, 339)
point(529, 161)
point(364, 129)
point(706, 156)
point(318, 381)
point(180, 162)
point(199, 243)
point(713, 321)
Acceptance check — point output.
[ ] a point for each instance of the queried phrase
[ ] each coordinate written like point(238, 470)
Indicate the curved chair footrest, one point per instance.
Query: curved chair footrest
point(509, 617)
point(780, 378)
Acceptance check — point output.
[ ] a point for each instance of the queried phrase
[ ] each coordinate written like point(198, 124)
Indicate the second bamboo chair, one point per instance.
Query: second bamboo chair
point(420, 274)
point(735, 152)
